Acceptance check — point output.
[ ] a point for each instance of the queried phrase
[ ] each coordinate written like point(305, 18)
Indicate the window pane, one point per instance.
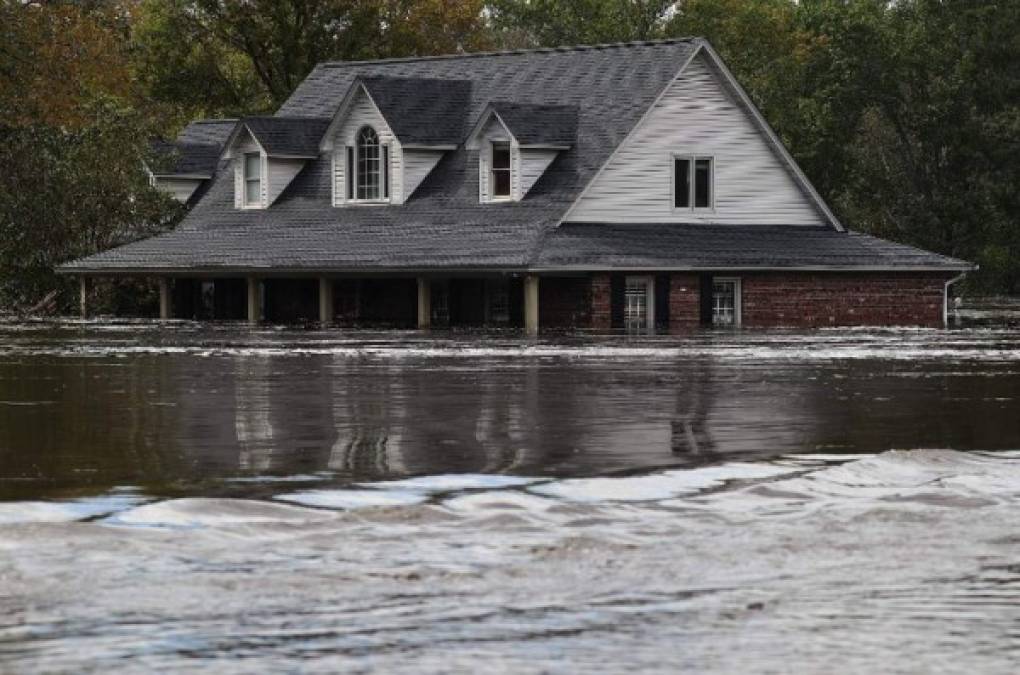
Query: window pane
point(724, 303)
point(252, 167)
point(501, 183)
point(682, 183)
point(703, 183)
point(252, 190)
point(368, 164)
point(635, 305)
point(501, 156)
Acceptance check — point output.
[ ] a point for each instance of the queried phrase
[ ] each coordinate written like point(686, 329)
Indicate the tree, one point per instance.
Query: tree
point(245, 56)
point(552, 23)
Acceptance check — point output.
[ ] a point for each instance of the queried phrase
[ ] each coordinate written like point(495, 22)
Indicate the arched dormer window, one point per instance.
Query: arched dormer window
point(369, 170)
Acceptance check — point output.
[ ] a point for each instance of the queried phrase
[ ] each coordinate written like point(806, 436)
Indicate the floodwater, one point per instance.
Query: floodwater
point(215, 498)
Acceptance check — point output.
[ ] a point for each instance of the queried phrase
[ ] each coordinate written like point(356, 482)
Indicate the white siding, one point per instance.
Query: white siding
point(180, 189)
point(417, 165)
point(696, 116)
point(534, 162)
point(363, 112)
point(280, 173)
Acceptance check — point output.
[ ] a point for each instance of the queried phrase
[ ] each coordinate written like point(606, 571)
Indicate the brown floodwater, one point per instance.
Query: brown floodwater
point(196, 497)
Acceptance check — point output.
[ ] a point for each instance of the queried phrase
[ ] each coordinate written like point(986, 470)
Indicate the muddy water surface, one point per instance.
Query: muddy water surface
point(214, 498)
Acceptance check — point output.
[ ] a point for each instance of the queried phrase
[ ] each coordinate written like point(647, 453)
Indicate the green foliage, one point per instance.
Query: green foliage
point(551, 23)
point(65, 193)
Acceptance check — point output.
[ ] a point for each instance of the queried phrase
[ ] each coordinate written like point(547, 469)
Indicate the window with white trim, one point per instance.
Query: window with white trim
point(693, 182)
point(499, 170)
point(638, 304)
point(726, 302)
point(252, 179)
point(368, 168)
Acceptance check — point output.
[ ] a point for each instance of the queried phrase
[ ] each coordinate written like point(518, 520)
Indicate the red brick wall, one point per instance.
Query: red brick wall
point(809, 300)
point(684, 302)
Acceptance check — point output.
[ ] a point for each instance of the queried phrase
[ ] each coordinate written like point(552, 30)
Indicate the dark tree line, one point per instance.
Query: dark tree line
point(905, 114)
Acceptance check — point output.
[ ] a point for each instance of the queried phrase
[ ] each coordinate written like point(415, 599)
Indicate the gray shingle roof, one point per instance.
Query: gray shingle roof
point(442, 225)
point(669, 245)
point(424, 111)
point(539, 124)
point(208, 132)
point(197, 150)
point(288, 136)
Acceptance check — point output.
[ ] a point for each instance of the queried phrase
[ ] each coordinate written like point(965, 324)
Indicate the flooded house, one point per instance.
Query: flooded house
point(616, 187)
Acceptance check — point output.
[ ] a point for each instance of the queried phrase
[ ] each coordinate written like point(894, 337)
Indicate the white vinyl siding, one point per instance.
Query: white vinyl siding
point(280, 173)
point(180, 189)
point(361, 113)
point(417, 165)
point(534, 162)
point(697, 116)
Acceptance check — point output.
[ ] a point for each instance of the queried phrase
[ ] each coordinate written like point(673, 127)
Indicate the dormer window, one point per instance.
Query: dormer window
point(252, 179)
point(368, 168)
point(500, 171)
point(693, 183)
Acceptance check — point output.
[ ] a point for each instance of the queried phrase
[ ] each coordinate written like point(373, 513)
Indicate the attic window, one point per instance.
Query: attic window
point(500, 179)
point(693, 182)
point(252, 179)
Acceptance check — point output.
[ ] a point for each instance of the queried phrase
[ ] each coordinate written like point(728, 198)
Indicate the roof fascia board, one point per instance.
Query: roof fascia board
point(538, 269)
point(489, 112)
point(630, 134)
point(777, 143)
point(228, 148)
point(184, 176)
point(427, 146)
point(326, 144)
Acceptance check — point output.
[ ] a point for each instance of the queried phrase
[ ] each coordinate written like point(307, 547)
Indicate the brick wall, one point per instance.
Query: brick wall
point(810, 300)
point(684, 302)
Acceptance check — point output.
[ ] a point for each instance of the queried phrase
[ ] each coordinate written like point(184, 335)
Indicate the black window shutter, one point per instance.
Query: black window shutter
point(350, 172)
point(661, 300)
point(386, 171)
point(617, 286)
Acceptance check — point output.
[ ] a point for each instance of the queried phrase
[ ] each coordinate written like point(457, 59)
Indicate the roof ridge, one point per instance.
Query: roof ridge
point(214, 120)
point(515, 52)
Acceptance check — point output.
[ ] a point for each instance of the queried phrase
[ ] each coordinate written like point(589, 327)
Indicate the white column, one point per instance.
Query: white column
point(424, 303)
point(254, 308)
point(83, 296)
point(164, 298)
point(325, 301)
point(531, 305)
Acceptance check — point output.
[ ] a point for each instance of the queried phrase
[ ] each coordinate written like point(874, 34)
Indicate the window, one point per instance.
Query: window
point(693, 182)
point(725, 302)
point(500, 179)
point(252, 179)
point(369, 161)
point(638, 305)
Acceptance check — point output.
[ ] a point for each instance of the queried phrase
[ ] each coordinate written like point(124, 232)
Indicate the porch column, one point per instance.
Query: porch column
point(164, 298)
point(254, 309)
point(424, 303)
point(325, 301)
point(531, 305)
point(83, 296)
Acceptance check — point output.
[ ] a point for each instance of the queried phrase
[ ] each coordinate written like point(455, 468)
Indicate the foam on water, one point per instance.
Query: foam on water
point(804, 560)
